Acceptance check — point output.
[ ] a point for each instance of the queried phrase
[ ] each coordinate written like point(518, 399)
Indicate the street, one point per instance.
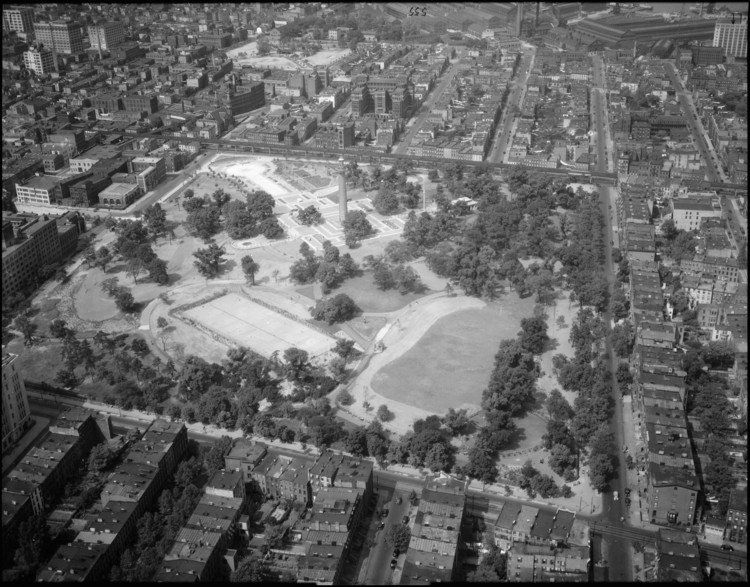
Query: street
point(426, 108)
point(599, 114)
point(713, 166)
point(620, 566)
point(504, 133)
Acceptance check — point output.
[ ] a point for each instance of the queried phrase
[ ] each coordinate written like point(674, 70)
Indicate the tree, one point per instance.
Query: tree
point(456, 421)
point(59, 328)
point(344, 348)
point(545, 486)
point(324, 430)
point(196, 376)
point(157, 270)
point(339, 308)
point(270, 228)
point(214, 459)
point(155, 219)
point(356, 227)
point(669, 229)
point(124, 300)
point(620, 304)
point(103, 258)
point(439, 458)
point(561, 458)
point(433, 175)
point(296, 364)
point(624, 377)
point(66, 378)
point(384, 414)
point(533, 334)
point(344, 398)
point(600, 471)
point(718, 354)
point(356, 442)
point(209, 260)
point(386, 201)
point(481, 463)
point(558, 407)
point(249, 268)
point(101, 457)
point(260, 204)
point(251, 570)
point(309, 216)
point(622, 339)
point(26, 327)
point(557, 433)
point(398, 536)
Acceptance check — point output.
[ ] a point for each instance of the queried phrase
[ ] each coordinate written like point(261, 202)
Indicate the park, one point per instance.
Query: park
point(421, 352)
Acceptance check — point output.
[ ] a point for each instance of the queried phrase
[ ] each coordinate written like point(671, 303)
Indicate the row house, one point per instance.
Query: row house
point(130, 489)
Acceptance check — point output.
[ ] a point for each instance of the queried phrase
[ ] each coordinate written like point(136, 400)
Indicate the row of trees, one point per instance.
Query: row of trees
point(156, 529)
point(510, 394)
point(241, 219)
point(589, 376)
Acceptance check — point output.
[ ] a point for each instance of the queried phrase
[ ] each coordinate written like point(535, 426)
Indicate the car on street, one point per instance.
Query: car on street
point(399, 500)
point(382, 525)
point(394, 562)
point(727, 547)
point(406, 519)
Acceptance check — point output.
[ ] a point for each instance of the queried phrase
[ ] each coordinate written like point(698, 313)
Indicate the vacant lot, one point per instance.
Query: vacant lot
point(451, 364)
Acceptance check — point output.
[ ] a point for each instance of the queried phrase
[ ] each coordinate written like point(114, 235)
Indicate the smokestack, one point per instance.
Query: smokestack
point(342, 191)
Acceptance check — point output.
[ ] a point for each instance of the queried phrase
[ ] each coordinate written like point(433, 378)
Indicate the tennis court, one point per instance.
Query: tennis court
point(257, 327)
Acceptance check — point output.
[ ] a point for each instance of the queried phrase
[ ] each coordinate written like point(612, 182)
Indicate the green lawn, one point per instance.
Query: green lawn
point(371, 299)
point(451, 364)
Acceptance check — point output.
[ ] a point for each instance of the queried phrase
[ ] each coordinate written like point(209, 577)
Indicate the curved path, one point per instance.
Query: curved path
point(405, 328)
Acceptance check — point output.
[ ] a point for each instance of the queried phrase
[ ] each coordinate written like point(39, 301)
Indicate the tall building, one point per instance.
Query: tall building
point(19, 19)
point(61, 36)
point(732, 37)
point(342, 191)
point(39, 61)
point(106, 35)
point(16, 413)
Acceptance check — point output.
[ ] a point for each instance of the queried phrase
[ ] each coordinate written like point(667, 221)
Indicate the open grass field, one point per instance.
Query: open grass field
point(450, 365)
point(369, 298)
point(257, 327)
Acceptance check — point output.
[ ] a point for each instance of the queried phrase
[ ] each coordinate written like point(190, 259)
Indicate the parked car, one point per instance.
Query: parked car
point(395, 553)
point(616, 495)
point(406, 519)
point(728, 547)
point(627, 491)
point(394, 562)
point(399, 500)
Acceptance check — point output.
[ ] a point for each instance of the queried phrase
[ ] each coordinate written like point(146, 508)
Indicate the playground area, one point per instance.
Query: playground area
point(256, 325)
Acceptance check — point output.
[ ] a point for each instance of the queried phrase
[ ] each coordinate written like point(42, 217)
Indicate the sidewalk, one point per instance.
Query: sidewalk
point(27, 440)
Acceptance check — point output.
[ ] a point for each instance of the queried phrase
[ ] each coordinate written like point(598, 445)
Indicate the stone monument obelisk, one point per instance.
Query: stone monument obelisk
point(342, 191)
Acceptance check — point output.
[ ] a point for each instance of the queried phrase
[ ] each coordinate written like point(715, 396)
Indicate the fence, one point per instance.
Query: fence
point(285, 313)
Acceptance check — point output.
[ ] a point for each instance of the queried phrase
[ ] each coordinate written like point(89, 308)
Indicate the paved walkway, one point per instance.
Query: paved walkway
point(30, 437)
